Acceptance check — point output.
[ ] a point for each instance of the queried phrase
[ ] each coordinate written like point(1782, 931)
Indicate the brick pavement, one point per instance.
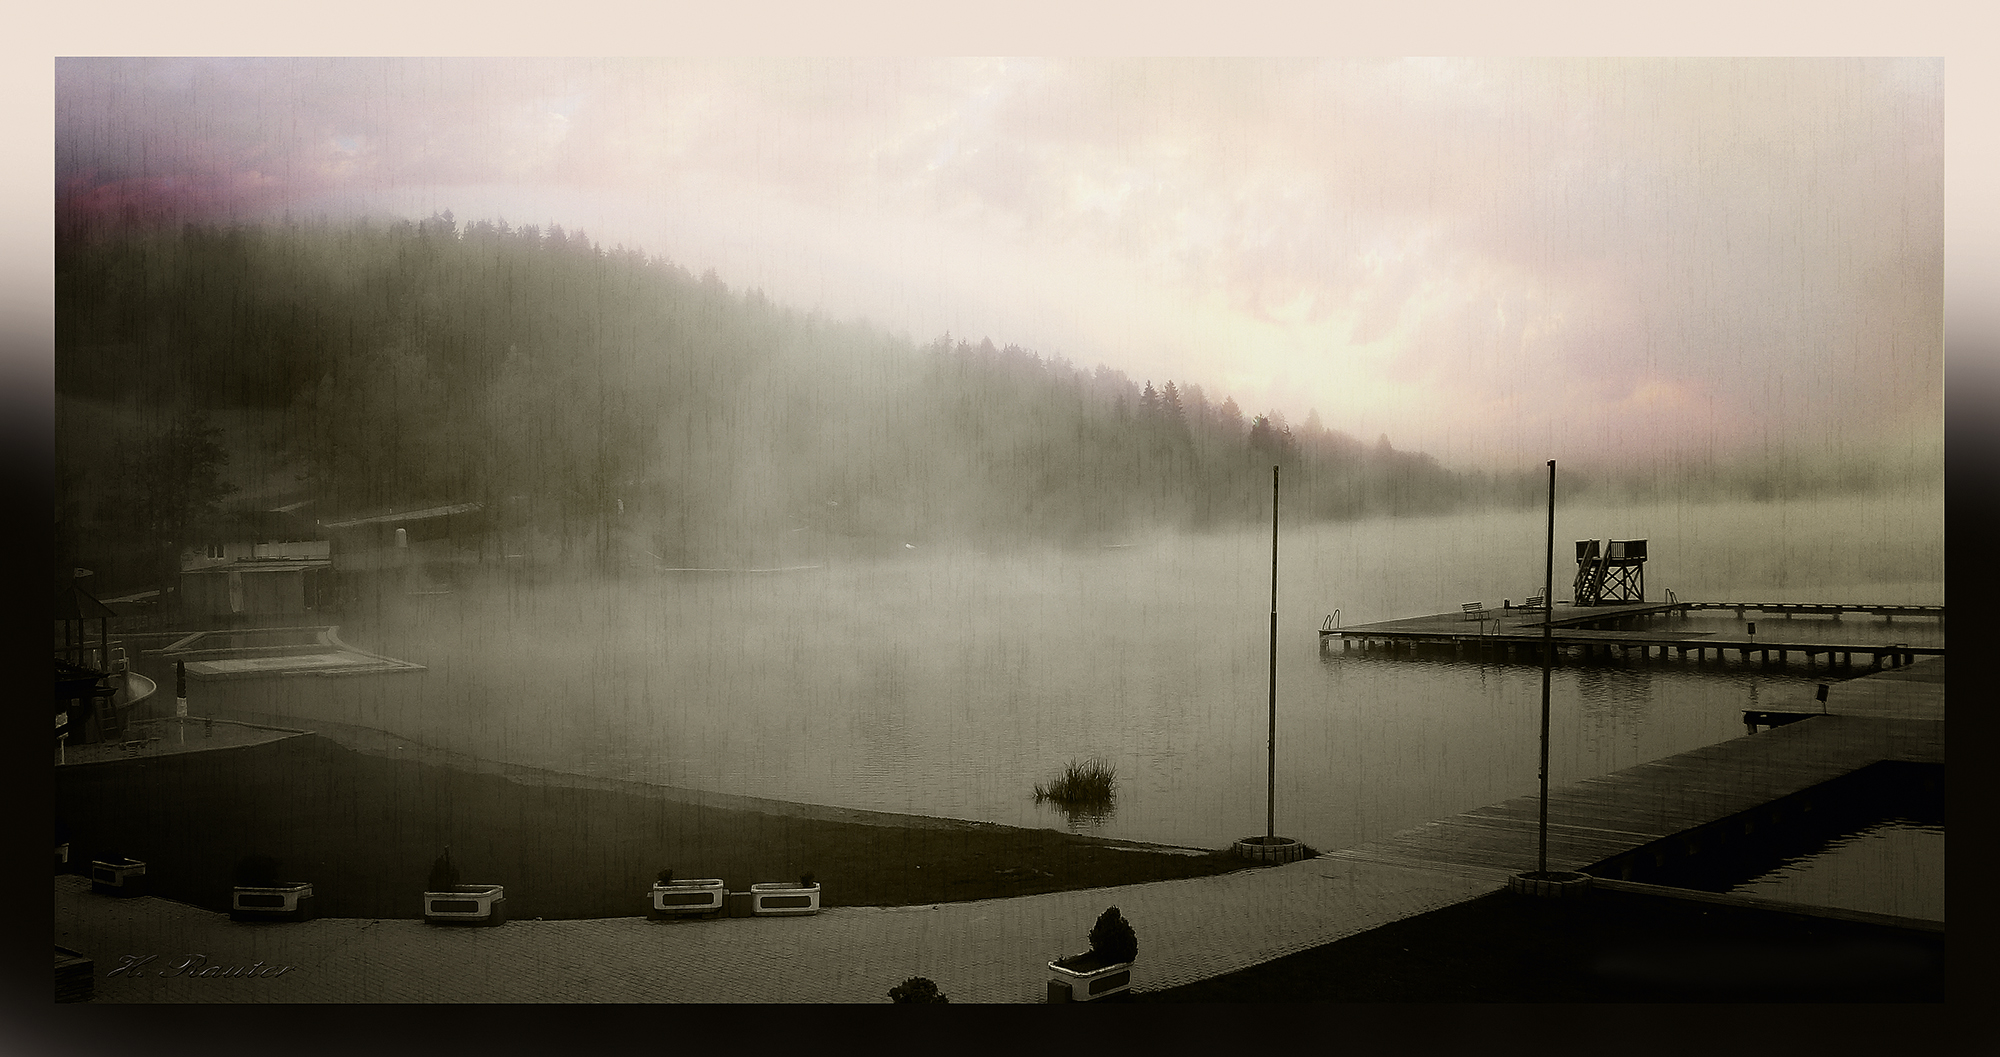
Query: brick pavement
point(986, 951)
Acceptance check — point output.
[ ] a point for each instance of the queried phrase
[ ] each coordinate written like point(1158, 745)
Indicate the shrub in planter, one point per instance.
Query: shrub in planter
point(260, 896)
point(118, 876)
point(1112, 938)
point(256, 871)
point(447, 902)
point(694, 896)
point(783, 897)
point(1102, 971)
point(444, 875)
point(917, 990)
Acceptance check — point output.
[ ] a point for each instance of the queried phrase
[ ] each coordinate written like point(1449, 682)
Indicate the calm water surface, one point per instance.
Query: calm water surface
point(1893, 867)
point(949, 682)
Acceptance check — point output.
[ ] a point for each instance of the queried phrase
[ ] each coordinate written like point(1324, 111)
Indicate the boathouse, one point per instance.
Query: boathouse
point(388, 540)
point(254, 566)
point(420, 551)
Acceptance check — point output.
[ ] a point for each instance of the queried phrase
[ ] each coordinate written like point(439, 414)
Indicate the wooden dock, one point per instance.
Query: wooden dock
point(1832, 609)
point(1590, 631)
point(1676, 806)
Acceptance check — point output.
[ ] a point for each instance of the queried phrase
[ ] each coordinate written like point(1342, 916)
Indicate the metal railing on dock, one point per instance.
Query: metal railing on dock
point(1834, 610)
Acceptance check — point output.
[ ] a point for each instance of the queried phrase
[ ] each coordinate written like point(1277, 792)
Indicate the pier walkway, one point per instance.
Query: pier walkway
point(987, 951)
point(1600, 630)
point(1664, 806)
point(993, 950)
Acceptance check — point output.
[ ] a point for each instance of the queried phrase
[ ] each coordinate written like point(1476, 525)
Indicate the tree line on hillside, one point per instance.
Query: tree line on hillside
point(382, 365)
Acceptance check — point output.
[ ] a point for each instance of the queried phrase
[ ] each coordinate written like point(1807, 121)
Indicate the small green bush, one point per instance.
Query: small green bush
point(918, 990)
point(1112, 939)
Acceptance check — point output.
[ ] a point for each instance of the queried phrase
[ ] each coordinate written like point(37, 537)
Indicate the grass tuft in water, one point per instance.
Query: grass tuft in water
point(1085, 785)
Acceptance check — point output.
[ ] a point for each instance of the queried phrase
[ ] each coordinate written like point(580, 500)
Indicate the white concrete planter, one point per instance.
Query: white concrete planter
point(1089, 985)
point(118, 877)
point(467, 905)
point(1274, 851)
point(286, 901)
point(784, 898)
point(694, 896)
point(1554, 885)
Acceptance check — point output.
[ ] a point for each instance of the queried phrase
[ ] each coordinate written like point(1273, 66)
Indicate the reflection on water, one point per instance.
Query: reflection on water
point(949, 683)
point(1093, 822)
point(1893, 867)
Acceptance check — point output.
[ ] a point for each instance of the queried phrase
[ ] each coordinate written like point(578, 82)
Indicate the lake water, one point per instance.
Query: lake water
point(1892, 867)
point(949, 682)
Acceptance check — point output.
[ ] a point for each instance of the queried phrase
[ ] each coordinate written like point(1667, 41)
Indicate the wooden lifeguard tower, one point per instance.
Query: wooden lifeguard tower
point(85, 705)
point(1612, 573)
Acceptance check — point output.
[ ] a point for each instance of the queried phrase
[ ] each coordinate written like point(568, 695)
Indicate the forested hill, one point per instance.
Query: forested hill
point(416, 363)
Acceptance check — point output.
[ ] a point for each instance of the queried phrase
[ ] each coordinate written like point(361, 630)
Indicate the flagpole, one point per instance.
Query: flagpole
point(1548, 656)
point(1271, 746)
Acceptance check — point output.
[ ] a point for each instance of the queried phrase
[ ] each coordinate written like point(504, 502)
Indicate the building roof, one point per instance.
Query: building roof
point(74, 603)
point(261, 565)
point(405, 515)
point(74, 679)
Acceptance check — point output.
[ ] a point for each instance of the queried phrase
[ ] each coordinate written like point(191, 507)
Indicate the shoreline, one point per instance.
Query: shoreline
point(360, 814)
point(371, 741)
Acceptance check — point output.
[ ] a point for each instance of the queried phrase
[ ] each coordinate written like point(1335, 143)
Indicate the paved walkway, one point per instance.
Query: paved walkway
point(987, 951)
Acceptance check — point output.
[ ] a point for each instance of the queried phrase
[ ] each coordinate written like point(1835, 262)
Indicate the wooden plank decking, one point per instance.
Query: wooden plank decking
point(1892, 716)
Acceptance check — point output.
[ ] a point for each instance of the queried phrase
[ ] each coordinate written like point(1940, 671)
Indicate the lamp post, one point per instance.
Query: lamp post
point(1566, 884)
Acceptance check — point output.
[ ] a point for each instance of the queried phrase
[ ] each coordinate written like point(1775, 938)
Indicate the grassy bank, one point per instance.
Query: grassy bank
point(364, 828)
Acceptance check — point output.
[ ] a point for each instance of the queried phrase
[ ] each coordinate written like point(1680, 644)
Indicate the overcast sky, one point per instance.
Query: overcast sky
point(1496, 261)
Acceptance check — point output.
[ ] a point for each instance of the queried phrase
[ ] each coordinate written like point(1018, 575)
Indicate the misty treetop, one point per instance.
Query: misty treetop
point(374, 365)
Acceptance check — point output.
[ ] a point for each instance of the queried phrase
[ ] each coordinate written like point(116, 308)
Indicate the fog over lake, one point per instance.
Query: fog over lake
point(947, 681)
point(821, 468)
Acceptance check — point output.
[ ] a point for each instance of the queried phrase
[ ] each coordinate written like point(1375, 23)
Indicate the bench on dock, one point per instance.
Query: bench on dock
point(1536, 602)
point(1475, 610)
point(1770, 718)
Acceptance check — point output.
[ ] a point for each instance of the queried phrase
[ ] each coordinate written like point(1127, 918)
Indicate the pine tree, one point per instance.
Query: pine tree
point(1261, 434)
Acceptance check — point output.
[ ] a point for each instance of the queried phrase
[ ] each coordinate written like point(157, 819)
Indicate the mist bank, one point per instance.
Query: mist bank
point(366, 366)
